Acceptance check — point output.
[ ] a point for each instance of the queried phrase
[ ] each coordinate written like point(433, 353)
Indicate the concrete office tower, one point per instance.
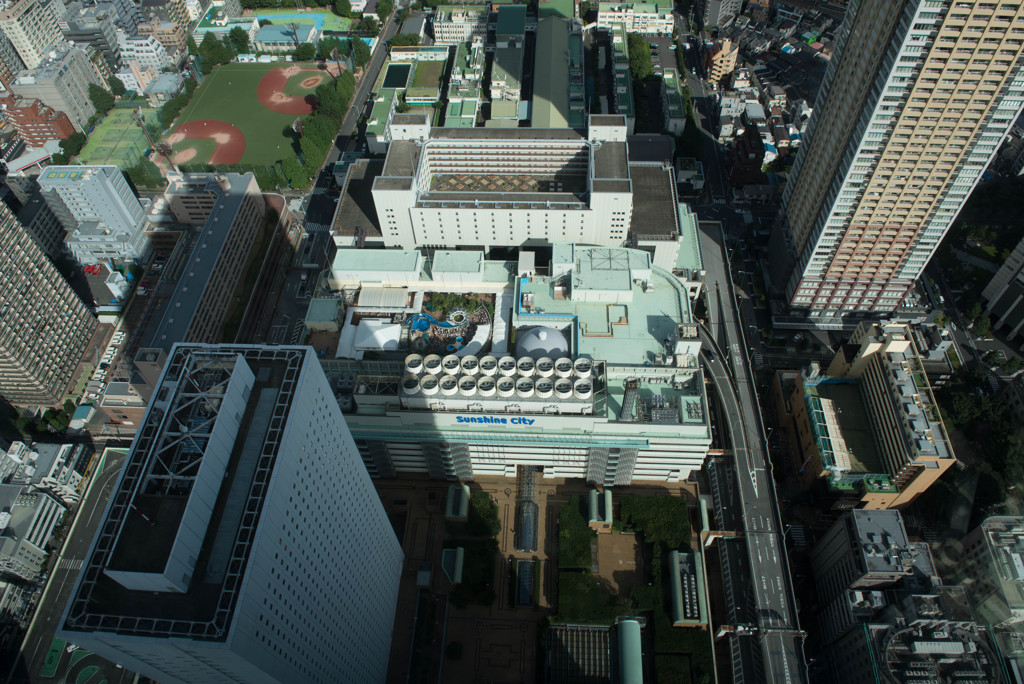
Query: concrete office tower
point(44, 326)
point(244, 541)
point(97, 207)
point(62, 82)
point(31, 26)
point(10, 62)
point(914, 104)
point(95, 26)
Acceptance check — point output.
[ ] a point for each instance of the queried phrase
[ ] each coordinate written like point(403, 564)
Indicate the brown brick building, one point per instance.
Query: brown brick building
point(35, 122)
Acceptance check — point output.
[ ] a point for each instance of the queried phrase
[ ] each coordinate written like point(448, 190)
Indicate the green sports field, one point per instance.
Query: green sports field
point(230, 95)
point(117, 139)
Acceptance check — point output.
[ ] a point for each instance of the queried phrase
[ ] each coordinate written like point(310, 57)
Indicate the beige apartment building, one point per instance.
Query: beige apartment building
point(31, 26)
point(722, 60)
point(915, 102)
point(45, 328)
point(869, 425)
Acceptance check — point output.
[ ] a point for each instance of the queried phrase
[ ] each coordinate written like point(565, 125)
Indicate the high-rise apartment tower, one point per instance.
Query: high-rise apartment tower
point(44, 326)
point(916, 100)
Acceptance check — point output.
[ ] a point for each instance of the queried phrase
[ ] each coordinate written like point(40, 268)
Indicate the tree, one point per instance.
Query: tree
point(405, 39)
point(193, 49)
point(239, 39)
point(640, 57)
point(304, 52)
point(326, 45)
point(359, 51)
point(368, 25)
point(329, 103)
point(72, 144)
point(294, 173)
point(343, 8)
point(384, 9)
point(116, 86)
point(101, 98)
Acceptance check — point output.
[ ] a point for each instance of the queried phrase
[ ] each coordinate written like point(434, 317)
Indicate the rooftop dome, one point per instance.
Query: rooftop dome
point(540, 342)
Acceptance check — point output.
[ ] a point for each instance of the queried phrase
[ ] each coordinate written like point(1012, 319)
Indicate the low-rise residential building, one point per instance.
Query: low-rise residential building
point(648, 18)
point(36, 122)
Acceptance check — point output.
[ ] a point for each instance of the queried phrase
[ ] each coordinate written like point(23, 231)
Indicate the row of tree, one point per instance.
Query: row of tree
point(319, 129)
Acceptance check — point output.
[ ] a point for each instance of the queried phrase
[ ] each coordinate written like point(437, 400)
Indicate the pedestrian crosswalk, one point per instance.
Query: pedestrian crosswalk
point(70, 563)
point(314, 227)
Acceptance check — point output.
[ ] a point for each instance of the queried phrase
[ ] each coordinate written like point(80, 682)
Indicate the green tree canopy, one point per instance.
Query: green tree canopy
point(304, 52)
point(116, 86)
point(640, 57)
point(405, 39)
point(368, 25)
point(343, 8)
point(325, 45)
point(384, 9)
point(193, 49)
point(359, 51)
point(101, 98)
point(239, 39)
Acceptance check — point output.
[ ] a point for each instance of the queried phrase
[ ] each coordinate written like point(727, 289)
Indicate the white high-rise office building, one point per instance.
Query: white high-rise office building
point(244, 541)
point(915, 103)
point(31, 26)
point(103, 217)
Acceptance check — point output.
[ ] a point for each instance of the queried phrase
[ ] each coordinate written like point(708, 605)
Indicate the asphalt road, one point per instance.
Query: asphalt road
point(62, 581)
point(728, 365)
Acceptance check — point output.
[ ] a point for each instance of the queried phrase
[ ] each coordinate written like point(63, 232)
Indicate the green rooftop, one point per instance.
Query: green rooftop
point(674, 93)
point(511, 21)
point(689, 258)
point(556, 8)
point(395, 260)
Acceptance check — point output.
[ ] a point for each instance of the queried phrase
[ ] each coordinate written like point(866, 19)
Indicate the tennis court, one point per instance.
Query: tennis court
point(118, 139)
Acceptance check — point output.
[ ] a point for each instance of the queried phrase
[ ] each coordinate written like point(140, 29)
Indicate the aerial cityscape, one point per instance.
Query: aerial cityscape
point(525, 341)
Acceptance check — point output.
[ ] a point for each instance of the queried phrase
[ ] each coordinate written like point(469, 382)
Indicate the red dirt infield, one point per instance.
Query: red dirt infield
point(271, 95)
point(230, 141)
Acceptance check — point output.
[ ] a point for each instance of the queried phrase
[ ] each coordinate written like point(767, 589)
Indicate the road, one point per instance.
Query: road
point(62, 581)
point(727, 361)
